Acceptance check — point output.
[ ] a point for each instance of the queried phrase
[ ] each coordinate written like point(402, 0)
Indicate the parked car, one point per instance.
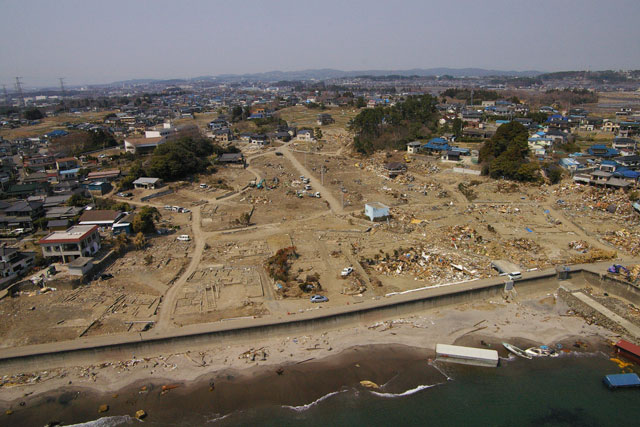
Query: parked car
point(204, 186)
point(319, 298)
point(346, 271)
point(124, 194)
point(106, 276)
point(184, 238)
point(278, 153)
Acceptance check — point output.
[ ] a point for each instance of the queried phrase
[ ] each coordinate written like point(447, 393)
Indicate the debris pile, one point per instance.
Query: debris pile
point(428, 263)
point(626, 240)
point(593, 255)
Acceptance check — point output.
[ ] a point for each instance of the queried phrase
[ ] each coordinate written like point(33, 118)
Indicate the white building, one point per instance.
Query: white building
point(77, 241)
point(376, 210)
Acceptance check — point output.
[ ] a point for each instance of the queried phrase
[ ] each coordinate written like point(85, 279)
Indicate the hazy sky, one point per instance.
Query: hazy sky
point(102, 41)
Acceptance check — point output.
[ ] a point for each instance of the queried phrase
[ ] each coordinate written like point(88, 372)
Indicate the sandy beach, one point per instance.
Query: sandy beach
point(329, 359)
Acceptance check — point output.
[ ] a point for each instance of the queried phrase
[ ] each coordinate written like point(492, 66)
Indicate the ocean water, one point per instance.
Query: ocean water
point(566, 391)
point(563, 391)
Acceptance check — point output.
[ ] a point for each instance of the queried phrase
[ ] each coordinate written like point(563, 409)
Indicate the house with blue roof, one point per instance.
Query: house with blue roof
point(570, 164)
point(436, 145)
point(601, 150)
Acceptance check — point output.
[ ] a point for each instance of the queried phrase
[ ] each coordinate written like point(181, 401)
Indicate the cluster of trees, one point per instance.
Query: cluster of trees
point(175, 160)
point(81, 141)
point(33, 114)
point(179, 158)
point(391, 127)
point(506, 154)
point(570, 96)
point(479, 95)
point(143, 220)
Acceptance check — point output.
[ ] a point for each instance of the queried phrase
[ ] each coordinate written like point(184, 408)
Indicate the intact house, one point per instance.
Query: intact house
point(260, 140)
point(103, 218)
point(601, 150)
point(147, 183)
point(143, 145)
point(625, 144)
point(13, 263)
point(66, 163)
point(223, 135)
point(105, 175)
point(376, 211)
point(231, 159)
point(324, 119)
point(77, 241)
point(413, 147)
point(305, 135)
point(21, 214)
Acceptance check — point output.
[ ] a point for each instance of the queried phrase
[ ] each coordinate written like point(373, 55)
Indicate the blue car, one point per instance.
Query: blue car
point(319, 298)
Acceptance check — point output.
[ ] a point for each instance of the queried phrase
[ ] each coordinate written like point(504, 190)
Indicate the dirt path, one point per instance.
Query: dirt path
point(169, 300)
point(335, 205)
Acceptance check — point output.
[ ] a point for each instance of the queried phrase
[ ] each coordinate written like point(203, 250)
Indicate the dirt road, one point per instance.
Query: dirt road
point(169, 300)
point(334, 204)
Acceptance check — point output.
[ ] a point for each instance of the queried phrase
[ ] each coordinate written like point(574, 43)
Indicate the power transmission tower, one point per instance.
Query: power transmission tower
point(6, 95)
point(19, 90)
point(62, 86)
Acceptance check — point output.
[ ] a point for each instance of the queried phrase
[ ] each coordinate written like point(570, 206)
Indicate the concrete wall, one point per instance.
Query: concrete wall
point(613, 286)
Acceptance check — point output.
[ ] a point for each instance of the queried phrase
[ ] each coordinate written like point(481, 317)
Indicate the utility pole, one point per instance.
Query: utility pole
point(19, 89)
point(322, 173)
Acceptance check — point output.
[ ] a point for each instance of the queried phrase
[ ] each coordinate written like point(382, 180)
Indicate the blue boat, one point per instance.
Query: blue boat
point(622, 381)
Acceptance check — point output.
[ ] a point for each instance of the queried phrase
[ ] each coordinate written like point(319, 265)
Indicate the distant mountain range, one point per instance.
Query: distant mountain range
point(328, 73)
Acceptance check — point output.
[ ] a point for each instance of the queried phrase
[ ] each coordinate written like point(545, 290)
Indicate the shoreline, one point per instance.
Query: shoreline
point(398, 370)
point(538, 319)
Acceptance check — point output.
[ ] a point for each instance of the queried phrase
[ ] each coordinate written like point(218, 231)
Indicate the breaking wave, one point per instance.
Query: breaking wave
point(107, 421)
point(218, 417)
point(315, 402)
point(405, 393)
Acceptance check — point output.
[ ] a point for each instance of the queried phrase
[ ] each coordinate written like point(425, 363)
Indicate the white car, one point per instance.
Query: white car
point(184, 238)
point(347, 271)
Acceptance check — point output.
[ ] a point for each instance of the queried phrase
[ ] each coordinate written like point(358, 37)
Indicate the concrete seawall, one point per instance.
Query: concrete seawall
point(124, 346)
point(613, 285)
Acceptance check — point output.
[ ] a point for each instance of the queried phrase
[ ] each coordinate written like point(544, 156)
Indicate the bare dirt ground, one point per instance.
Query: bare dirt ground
point(444, 227)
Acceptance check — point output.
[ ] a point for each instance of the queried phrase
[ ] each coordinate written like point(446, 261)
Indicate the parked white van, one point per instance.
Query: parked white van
point(184, 238)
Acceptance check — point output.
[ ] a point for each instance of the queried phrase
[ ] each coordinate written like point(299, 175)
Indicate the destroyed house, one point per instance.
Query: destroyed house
point(13, 262)
point(395, 168)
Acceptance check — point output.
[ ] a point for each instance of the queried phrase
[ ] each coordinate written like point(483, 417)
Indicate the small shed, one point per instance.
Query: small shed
point(80, 266)
point(99, 187)
point(57, 225)
point(376, 211)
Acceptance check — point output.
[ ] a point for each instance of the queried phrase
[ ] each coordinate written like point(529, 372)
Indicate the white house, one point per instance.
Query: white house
point(305, 135)
point(376, 210)
point(413, 147)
